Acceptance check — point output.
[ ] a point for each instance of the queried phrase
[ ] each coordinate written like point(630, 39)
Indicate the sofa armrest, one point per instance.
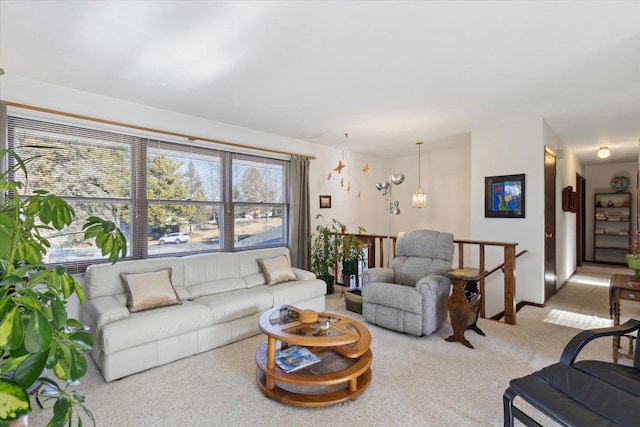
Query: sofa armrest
point(577, 343)
point(384, 275)
point(100, 311)
point(303, 274)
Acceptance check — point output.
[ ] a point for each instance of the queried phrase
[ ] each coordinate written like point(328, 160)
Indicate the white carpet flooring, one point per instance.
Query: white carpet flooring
point(416, 381)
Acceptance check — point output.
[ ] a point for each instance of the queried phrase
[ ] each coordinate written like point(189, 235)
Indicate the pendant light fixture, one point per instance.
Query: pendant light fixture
point(419, 198)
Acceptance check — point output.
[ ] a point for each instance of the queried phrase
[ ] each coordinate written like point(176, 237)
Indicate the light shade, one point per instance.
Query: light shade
point(397, 178)
point(382, 185)
point(419, 199)
point(603, 152)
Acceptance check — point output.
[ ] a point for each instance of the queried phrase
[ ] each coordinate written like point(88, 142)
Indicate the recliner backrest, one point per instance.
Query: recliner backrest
point(420, 253)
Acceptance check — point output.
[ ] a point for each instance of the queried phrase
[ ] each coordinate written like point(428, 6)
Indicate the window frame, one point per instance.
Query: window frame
point(139, 151)
point(284, 205)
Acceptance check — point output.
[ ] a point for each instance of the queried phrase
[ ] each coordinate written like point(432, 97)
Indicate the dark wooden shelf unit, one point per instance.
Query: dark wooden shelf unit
point(612, 227)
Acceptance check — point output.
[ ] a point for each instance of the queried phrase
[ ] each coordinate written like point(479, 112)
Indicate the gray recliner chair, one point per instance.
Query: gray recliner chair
point(411, 297)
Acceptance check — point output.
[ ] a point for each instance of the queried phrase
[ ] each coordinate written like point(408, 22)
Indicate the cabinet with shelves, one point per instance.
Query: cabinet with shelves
point(611, 227)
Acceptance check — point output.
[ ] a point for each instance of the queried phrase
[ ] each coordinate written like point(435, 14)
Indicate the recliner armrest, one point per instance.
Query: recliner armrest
point(378, 274)
point(430, 281)
point(577, 343)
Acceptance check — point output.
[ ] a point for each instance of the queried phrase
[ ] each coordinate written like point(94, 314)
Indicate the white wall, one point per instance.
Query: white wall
point(445, 173)
point(598, 180)
point(445, 178)
point(511, 149)
point(41, 94)
point(566, 252)
point(566, 168)
point(452, 178)
point(361, 205)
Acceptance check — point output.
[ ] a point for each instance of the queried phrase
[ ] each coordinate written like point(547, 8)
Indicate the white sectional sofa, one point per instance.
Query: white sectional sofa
point(223, 296)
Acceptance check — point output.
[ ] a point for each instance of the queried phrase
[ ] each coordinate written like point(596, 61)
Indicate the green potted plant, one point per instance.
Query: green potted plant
point(326, 244)
point(633, 257)
point(36, 334)
point(352, 251)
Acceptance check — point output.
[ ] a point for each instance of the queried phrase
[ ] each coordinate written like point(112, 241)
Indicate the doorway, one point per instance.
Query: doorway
point(549, 223)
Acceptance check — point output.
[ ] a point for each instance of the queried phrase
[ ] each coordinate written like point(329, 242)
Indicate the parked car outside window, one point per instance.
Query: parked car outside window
point(174, 238)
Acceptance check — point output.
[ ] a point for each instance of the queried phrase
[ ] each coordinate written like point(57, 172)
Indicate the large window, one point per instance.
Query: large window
point(89, 169)
point(259, 188)
point(167, 198)
point(184, 190)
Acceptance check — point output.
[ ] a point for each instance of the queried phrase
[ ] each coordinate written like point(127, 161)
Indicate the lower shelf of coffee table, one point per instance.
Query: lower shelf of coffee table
point(355, 379)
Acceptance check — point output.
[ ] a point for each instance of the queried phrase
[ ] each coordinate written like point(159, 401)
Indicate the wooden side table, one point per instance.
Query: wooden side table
point(620, 289)
point(459, 308)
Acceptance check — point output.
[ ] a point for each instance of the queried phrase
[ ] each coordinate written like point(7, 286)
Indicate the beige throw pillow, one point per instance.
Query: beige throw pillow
point(149, 290)
point(277, 270)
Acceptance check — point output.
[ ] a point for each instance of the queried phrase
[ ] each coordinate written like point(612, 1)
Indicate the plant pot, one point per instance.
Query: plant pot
point(350, 267)
point(329, 280)
point(634, 263)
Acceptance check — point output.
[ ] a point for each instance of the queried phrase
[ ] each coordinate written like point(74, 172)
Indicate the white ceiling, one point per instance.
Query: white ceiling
point(387, 73)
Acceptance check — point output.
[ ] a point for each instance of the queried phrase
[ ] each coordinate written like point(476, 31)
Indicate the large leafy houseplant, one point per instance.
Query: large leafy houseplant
point(352, 246)
point(352, 251)
point(326, 250)
point(330, 245)
point(36, 333)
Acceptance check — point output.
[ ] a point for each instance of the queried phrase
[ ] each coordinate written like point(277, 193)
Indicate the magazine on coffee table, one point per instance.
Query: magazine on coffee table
point(293, 358)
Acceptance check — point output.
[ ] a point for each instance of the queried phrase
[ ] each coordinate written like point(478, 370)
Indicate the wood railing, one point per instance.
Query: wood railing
point(373, 241)
point(378, 240)
point(375, 256)
point(508, 268)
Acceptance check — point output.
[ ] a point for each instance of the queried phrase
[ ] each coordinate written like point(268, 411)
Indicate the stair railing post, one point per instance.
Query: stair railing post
point(509, 285)
point(481, 268)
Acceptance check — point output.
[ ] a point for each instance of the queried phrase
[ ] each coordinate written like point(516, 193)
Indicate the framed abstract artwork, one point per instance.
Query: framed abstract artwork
point(504, 196)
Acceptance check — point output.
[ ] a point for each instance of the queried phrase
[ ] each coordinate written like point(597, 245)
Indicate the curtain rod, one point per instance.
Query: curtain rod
point(146, 129)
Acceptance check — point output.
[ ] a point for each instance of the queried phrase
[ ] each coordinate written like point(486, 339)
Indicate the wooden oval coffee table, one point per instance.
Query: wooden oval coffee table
point(343, 349)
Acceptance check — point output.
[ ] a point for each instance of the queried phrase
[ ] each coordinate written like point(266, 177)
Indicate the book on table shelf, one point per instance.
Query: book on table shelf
point(295, 357)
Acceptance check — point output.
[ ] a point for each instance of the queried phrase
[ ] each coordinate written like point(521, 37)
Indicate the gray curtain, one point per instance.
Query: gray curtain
point(299, 221)
point(3, 125)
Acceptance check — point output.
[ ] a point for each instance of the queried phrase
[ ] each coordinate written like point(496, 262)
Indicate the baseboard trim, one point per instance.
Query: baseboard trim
point(566, 280)
point(498, 317)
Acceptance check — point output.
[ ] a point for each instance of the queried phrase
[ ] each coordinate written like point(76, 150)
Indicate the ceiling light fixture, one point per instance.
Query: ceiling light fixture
point(604, 152)
point(419, 198)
